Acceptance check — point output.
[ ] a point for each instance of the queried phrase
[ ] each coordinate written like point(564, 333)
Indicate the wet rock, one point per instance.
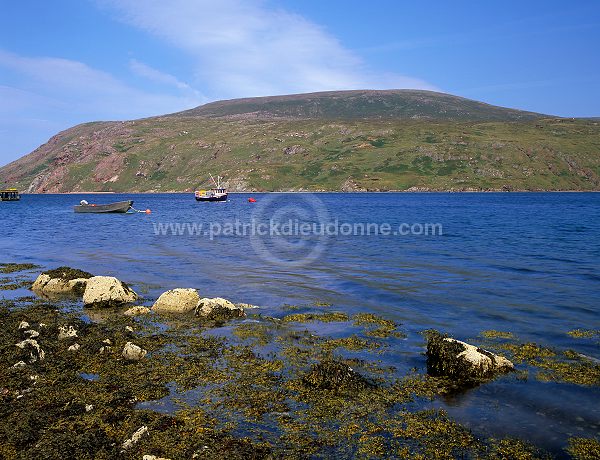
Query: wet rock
point(32, 334)
point(246, 306)
point(128, 444)
point(335, 376)
point(61, 281)
point(107, 291)
point(132, 352)
point(66, 332)
point(218, 308)
point(136, 311)
point(36, 352)
point(177, 301)
point(462, 362)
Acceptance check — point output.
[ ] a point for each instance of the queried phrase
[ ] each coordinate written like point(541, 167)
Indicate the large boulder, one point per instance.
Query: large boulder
point(177, 301)
point(61, 281)
point(461, 361)
point(218, 308)
point(107, 291)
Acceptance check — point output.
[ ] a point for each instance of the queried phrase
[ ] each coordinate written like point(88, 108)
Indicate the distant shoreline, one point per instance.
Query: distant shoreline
point(323, 192)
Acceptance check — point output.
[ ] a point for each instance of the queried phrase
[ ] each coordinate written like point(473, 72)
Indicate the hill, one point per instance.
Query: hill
point(350, 140)
point(351, 105)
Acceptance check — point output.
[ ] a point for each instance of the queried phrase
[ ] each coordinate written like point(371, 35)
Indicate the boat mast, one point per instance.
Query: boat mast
point(216, 182)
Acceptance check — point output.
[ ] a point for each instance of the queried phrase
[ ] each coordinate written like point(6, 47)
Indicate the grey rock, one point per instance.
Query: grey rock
point(177, 301)
point(217, 305)
point(132, 352)
point(107, 291)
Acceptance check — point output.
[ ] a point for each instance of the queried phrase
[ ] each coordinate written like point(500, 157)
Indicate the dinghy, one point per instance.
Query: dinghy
point(119, 207)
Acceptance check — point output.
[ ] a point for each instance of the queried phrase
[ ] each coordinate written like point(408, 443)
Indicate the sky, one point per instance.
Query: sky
point(65, 62)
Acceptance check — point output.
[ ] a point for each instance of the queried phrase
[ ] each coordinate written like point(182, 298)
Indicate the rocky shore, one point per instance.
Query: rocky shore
point(184, 376)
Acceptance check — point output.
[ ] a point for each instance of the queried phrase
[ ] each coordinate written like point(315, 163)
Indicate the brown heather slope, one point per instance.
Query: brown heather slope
point(350, 140)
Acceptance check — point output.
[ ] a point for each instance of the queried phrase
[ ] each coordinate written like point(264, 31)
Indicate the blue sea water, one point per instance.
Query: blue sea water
point(528, 263)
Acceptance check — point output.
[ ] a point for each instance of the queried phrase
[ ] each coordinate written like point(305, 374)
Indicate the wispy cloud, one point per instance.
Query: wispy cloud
point(157, 76)
point(250, 49)
point(41, 95)
point(75, 86)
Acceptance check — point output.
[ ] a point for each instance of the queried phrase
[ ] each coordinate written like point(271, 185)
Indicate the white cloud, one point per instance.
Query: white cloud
point(157, 76)
point(75, 86)
point(246, 48)
point(41, 95)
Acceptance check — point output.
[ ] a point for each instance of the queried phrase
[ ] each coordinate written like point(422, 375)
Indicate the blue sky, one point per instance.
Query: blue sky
point(65, 62)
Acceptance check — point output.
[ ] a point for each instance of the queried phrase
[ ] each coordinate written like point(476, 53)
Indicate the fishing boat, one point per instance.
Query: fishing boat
point(9, 194)
point(218, 193)
point(118, 207)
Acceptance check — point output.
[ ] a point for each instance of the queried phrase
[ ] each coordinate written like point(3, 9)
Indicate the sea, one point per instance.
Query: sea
point(461, 263)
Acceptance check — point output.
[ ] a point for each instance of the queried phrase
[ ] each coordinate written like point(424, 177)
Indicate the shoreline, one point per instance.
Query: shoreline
point(327, 192)
point(287, 400)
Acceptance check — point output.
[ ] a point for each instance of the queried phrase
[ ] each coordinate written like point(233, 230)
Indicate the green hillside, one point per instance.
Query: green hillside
point(349, 105)
point(328, 150)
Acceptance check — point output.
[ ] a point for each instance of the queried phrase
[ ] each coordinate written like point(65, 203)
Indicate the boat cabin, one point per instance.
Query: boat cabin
point(9, 194)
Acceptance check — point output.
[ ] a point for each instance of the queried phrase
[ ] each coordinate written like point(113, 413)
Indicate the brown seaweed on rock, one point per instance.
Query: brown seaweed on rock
point(337, 377)
point(67, 273)
point(465, 364)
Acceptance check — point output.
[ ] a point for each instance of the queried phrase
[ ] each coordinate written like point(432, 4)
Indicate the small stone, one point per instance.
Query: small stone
point(23, 325)
point(136, 311)
point(128, 328)
point(135, 438)
point(88, 407)
point(74, 347)
point(32, 334)
point(104, 350)
point(33, 357)
point(65, 332)
point(132, 352)
point(19, 365)
point(107, 342)
point(246, 306)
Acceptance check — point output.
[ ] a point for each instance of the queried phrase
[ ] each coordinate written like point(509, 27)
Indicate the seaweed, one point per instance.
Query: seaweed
point(337, 377)
point(67, 273)
point(323, 317)
point(12, 268)
point(584, 448)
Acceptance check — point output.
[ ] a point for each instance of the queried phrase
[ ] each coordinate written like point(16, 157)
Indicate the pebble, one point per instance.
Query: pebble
point(132, 352)
point(135, 437)
point(65, 332)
